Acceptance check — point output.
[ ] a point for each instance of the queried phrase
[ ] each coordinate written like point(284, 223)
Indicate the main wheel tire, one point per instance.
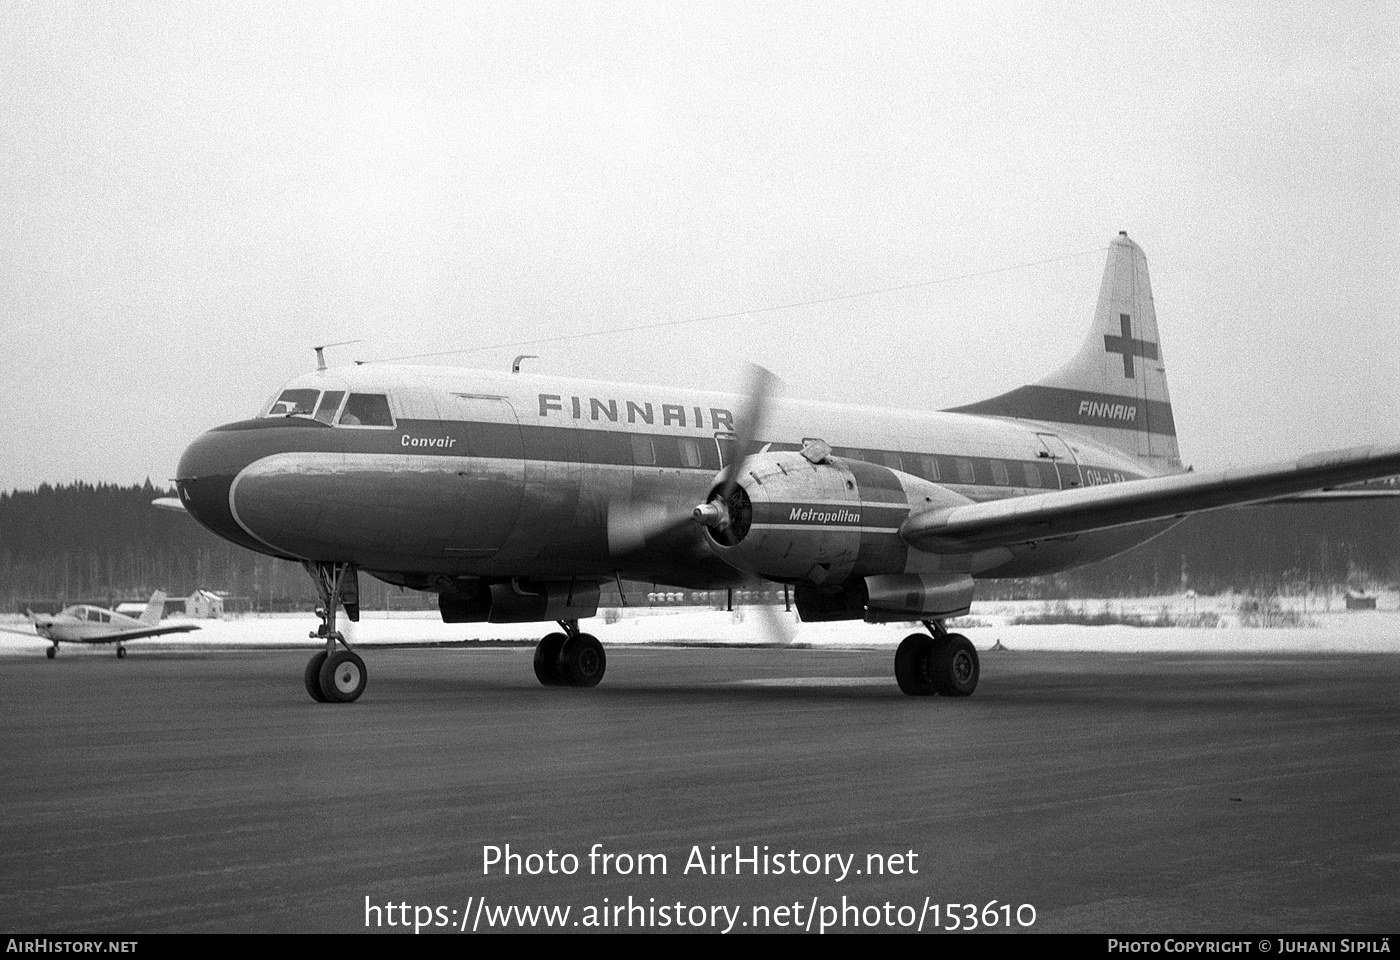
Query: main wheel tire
point(547, 668)
point(51, 652)
point(955, 667)
point(583, 661)
point(312, 677)
point(343, 677)
point(912, 665)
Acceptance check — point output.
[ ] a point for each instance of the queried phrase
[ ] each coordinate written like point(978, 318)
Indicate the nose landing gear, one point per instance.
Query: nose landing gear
point(335, 676)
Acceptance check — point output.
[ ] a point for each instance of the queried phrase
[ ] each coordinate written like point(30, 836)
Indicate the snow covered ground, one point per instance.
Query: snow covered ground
point(1331, 629)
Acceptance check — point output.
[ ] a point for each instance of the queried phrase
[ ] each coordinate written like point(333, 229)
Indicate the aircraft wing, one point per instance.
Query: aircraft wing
point(1068, 512)
point(1381, 489)
point(151, 632)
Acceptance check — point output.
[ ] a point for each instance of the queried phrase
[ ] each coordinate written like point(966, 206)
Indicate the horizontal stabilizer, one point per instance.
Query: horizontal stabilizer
point(1068, 512)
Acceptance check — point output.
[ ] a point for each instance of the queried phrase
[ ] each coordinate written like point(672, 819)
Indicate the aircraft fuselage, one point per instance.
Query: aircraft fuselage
point(493, 475)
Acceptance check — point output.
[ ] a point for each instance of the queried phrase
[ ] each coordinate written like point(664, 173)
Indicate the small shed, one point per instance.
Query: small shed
point(205, 605)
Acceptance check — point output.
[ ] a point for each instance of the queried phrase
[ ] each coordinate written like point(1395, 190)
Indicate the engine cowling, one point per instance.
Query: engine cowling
point(823, 520)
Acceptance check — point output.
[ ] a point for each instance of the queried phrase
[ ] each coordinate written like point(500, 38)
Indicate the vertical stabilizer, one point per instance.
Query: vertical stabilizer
point(1114, 390)
point(154, 610)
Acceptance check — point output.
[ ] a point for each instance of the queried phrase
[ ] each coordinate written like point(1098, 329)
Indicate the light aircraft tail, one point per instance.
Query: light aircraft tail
point(1114, 390)
point(154, 610)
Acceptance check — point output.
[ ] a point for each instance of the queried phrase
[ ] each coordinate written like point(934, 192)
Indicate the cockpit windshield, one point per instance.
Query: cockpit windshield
point(334, 407)
point(295, 403)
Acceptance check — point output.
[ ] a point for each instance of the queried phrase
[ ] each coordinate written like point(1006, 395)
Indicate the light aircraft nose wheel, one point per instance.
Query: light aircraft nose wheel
point(547, 668)
point(954, 666)
point(912, 665)
point(343, 677)
point(583, 661)
point(312, 677)
point(121, 653)
point(51, 652)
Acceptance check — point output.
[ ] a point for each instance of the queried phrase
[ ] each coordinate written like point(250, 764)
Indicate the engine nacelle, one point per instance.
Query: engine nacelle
point(820, 520)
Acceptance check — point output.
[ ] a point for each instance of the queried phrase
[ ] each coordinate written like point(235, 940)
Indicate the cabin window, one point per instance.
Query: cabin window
point(965, 474)
point(330, 403)
point(690, 453)
point(930, 467)
point(1032, 474)
point(892, 460)
point(367, 410)
point(643, 453)
point(295, 403)
point(999, 474)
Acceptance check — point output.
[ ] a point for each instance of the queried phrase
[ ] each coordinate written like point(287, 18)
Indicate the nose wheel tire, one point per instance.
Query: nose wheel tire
point(582, 661)
point(312, 677)
point(121, 653)
point(547, 669)
point(343, 677)
point(51, 652)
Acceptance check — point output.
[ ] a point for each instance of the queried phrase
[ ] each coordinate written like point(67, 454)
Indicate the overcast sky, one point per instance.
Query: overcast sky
point(194, 194)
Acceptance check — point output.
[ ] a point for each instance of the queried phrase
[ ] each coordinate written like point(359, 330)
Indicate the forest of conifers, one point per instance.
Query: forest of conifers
point(106, 542)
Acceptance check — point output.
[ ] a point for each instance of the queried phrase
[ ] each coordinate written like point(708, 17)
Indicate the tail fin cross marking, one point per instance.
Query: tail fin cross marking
point(1129, 347)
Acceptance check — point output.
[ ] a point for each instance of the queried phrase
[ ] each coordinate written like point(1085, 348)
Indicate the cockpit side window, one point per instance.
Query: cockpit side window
point(367, 410)
point(330, 403)
point(295, 403)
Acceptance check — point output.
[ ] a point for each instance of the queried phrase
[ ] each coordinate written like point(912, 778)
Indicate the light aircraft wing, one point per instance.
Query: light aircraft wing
point(172, 504)
point(1068, 512)
point(152, 632)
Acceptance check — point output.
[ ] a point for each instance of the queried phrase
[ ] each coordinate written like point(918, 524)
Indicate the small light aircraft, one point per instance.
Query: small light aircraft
point(85, 623)
point(515, 497)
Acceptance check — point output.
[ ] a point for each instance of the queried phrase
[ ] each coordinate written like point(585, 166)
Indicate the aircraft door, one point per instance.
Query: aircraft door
point(489, 476)
point(1059, 453)
point(728, 446)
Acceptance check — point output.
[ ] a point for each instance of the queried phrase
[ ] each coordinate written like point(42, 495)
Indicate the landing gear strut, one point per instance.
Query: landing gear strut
point(944, 663)
point(570, 659)
point(334, 676)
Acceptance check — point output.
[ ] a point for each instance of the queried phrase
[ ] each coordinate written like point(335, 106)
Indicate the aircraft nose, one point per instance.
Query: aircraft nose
point(206, 473)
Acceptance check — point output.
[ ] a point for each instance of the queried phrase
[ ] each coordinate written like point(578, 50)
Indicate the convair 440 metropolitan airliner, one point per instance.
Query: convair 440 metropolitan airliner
point(515, 497)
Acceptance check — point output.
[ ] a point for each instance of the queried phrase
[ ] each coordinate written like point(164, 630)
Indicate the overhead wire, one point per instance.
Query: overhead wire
point(753, 311)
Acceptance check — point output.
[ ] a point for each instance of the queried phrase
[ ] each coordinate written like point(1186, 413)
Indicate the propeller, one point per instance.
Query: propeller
point(778, 627)
point(759, 387)
point(632, 525)
point(758, 394)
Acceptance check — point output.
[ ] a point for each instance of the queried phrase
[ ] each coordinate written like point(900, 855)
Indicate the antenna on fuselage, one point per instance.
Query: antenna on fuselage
point(321, 357)
point(515, 364)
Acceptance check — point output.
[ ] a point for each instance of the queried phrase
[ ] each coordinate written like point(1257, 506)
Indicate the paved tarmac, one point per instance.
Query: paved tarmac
point(1111, 793)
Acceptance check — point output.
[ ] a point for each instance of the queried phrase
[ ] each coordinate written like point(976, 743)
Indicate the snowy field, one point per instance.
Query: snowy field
point(1329, 627)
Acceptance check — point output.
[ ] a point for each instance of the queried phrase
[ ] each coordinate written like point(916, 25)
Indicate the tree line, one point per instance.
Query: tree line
point(85, 541)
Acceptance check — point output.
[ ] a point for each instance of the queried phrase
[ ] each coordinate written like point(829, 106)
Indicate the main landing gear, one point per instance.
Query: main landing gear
point(570, 659)
point(334, 676)
point(944, 663)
